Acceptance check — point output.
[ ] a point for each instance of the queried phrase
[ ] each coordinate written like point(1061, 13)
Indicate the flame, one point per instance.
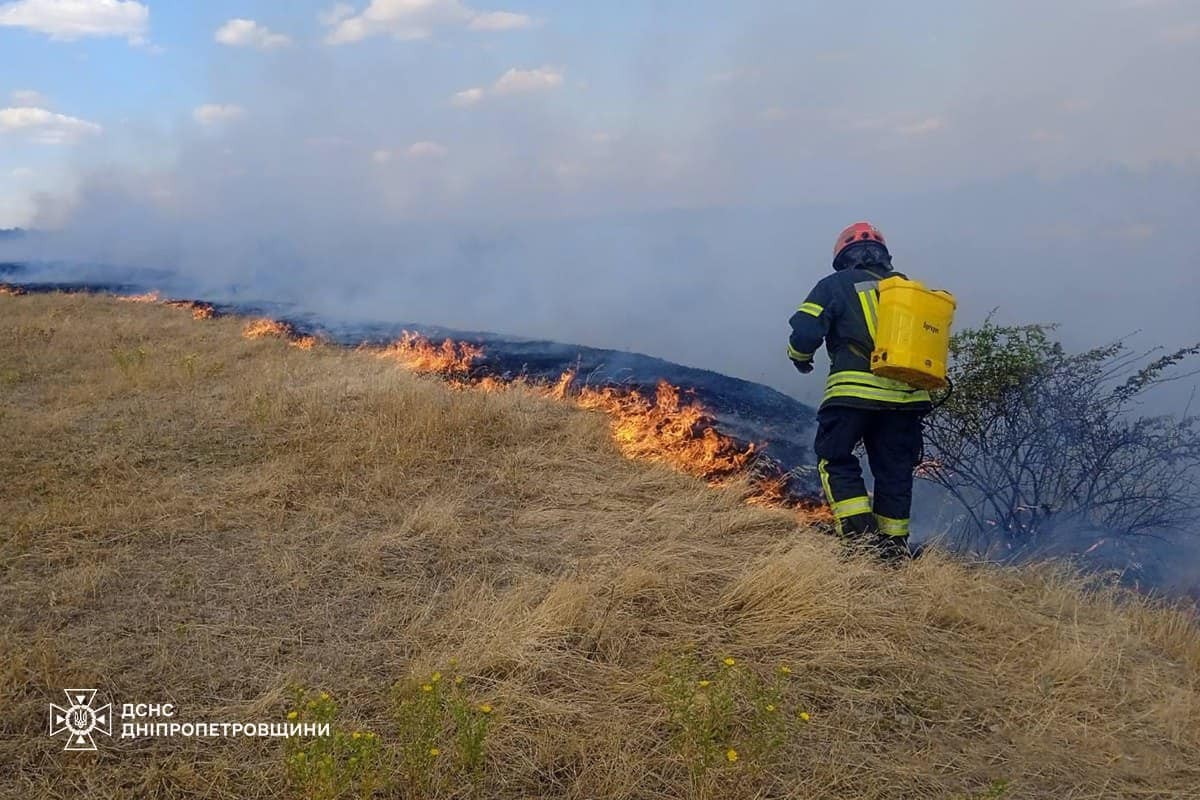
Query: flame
point(10, 290)
point(683, 435)
point(665, 429)
point(414, 351)
point(263, 328)
point(199, 310)
point(489, 384)
point(148, 297)
point(559, 389)
point(769, 493)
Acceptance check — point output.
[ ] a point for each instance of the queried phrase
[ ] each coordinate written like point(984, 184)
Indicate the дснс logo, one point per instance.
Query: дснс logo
point(79, 719)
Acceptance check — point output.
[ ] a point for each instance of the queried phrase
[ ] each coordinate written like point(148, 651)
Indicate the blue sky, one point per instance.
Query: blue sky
point(934, 94)
point(664, 158)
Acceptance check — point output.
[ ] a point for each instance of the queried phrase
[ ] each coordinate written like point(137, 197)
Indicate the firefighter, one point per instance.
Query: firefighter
point(883, 414)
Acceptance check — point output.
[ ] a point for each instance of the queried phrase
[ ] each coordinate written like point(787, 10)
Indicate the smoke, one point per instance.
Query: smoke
point(706, 287)
point(669, 186)
point(677, 196)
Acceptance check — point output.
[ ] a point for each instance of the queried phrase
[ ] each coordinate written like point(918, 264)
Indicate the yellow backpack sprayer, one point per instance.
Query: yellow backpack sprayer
point(912, 336)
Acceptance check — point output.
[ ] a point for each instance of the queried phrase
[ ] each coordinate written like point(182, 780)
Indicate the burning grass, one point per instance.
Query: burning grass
point(199, 310)
point(194, 517)
point(449, 359)
point(667, 430)
point(664, 428)
point(145, 297)
point(273, 328)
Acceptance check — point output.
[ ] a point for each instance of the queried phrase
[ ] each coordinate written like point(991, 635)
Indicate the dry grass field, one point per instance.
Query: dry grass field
point(193, 517)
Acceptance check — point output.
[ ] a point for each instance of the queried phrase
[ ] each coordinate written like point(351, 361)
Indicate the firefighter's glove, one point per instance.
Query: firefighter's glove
point(803, 367)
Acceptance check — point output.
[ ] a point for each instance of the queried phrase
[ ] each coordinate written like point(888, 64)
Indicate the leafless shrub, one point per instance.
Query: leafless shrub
point(1033, 434)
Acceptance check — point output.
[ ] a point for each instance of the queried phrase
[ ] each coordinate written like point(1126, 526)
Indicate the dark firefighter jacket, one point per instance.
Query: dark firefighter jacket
point(842, 310)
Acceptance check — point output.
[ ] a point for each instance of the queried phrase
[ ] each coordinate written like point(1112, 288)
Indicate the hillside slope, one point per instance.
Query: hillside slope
point(188, 516)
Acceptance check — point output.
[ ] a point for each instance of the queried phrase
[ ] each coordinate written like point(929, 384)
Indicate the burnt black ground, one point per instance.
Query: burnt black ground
point(780, 427)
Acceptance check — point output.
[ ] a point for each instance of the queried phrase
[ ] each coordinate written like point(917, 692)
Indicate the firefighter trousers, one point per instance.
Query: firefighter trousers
point(893, 440)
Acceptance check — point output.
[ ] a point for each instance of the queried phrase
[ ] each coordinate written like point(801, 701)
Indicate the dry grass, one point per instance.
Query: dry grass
point(191, 517)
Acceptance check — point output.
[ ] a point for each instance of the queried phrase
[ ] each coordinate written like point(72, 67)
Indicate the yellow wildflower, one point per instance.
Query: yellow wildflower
point(729, 662)
point(425, 687)
point(485, 708)
point(458, 679)
point(324, 695)
point(433, 751)
point(804, 716)
point(770, 706)
point(437, 676)
point(704, 684)
point(356, 735)
point(785, 670)
point(731, 755)
point(292, 715)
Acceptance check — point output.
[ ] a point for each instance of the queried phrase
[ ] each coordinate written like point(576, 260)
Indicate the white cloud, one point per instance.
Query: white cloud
point(215, 113)
point(45, 127)
point(74, 19)
point(240, 32)
point(382, 156)
point(28, 97)
point(413, 19)
point(500, 21)
point(922, 127)
point(467, 97)
point(517, 81)
point(426, 150)
point(335, 14)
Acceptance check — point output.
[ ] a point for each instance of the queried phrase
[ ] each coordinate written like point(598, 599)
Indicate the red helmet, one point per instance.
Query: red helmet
point(858, 232)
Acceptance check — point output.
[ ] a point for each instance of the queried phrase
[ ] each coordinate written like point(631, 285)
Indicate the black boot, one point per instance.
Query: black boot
point(892, 549)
